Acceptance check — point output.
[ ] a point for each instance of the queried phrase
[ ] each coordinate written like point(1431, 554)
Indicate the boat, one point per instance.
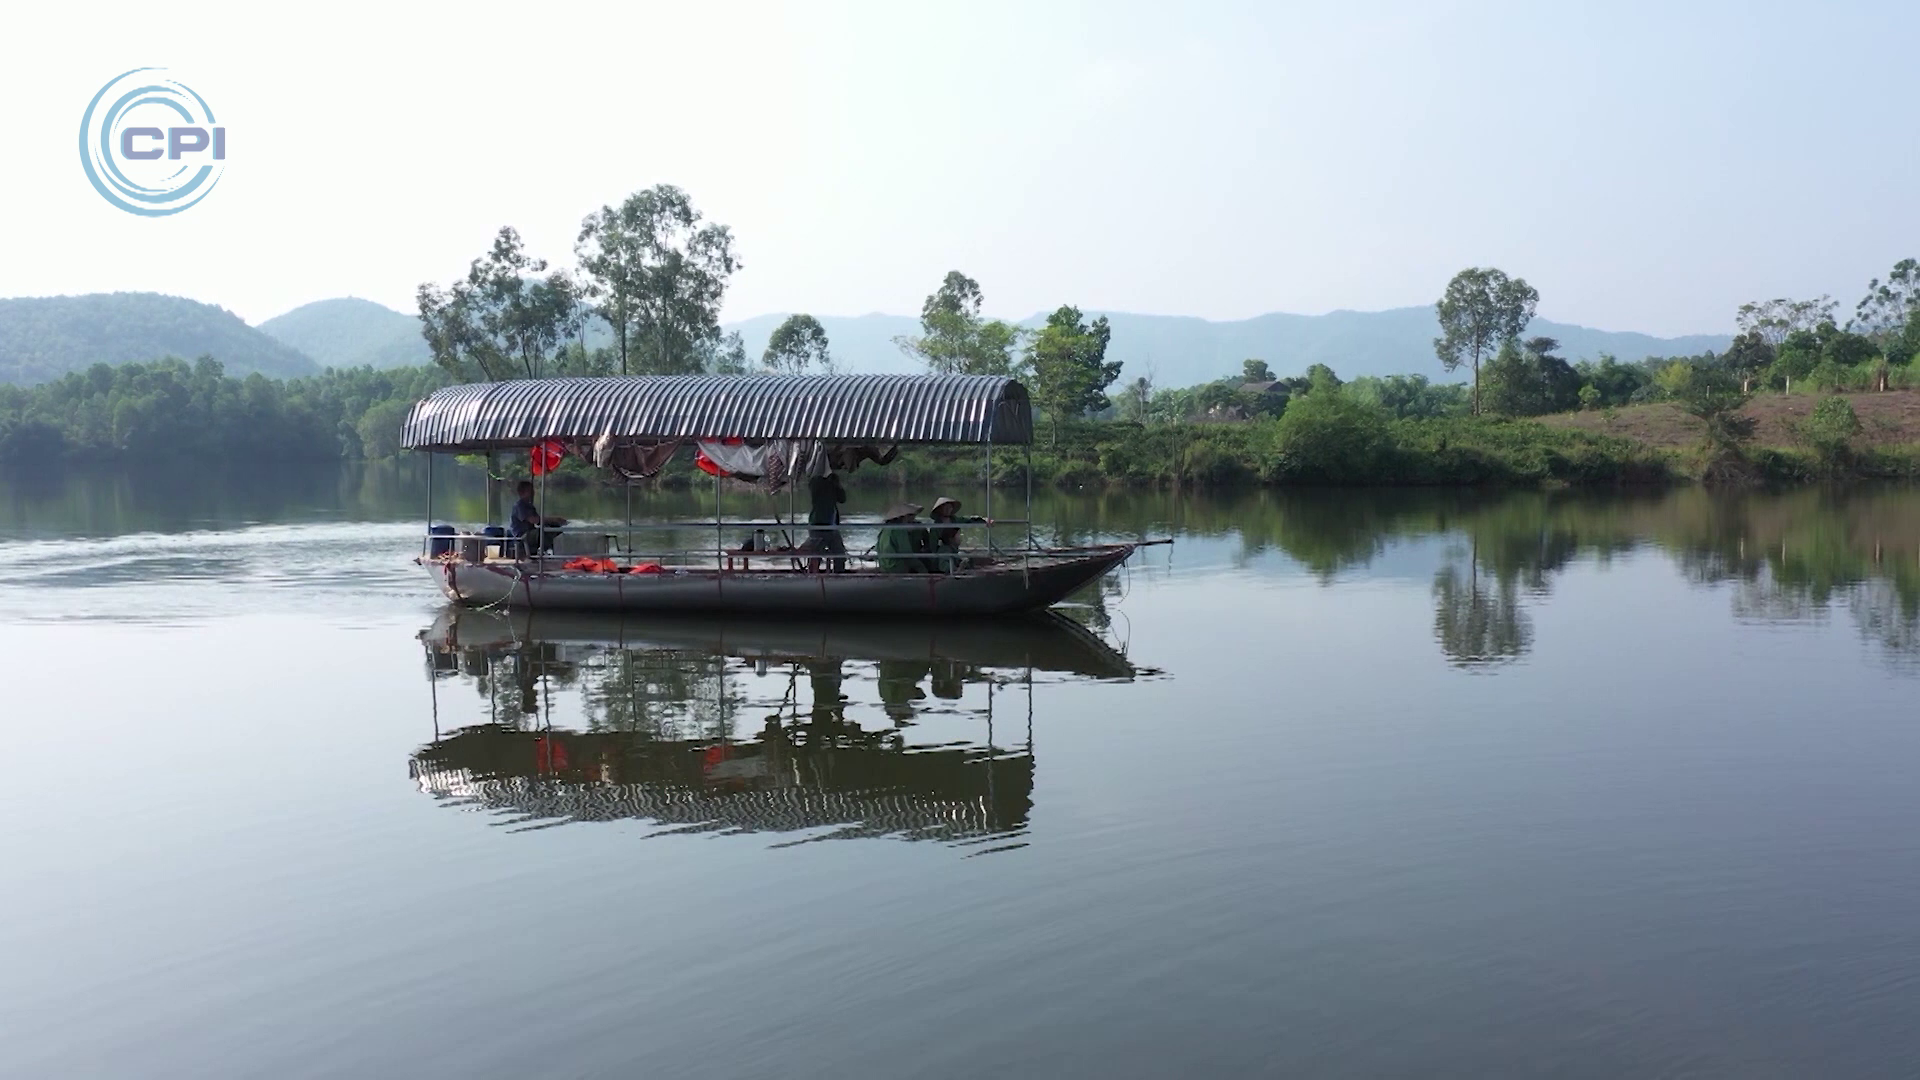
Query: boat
point(772, 431)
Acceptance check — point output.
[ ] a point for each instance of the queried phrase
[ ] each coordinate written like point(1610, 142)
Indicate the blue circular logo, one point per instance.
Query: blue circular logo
point(150, 145)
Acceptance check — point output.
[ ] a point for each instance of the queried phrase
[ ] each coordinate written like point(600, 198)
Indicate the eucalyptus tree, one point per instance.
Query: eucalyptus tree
point(1780, 318)
point(502, 321)
point(1889, 315)
point(1067, 361)
point(656, 274)
point(1482, 310)
point(796, 345)
point(954, 338)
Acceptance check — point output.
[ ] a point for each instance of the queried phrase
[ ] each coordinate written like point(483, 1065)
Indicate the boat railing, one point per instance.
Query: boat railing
point(470, 546)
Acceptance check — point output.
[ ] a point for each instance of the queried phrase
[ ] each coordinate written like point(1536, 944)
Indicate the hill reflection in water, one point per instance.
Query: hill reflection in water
point(827, 731)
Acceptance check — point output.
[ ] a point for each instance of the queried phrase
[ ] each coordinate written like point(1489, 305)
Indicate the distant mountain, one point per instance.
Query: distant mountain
point(43, 338)
point(1184, 351)
point(1178, 350)
point(350, 332)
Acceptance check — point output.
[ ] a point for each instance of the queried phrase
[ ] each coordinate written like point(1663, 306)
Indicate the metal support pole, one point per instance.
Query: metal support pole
point(719, 530)
point(1026, 566)
point(987, 482)
point(430, 457)
point(629, 548)
point(493, 488)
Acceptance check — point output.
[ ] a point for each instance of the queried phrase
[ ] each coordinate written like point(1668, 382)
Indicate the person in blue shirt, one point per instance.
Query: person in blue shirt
point(535, 529)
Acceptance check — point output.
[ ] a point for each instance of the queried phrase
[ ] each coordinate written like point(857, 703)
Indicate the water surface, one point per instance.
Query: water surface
point(1340, 784)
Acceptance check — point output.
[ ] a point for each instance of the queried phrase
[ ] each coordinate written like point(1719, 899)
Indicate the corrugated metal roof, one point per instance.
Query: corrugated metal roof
point(832, 408)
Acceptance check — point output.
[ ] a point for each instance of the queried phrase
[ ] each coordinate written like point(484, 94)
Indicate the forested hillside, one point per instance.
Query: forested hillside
point(350, 332)
point(43, 338)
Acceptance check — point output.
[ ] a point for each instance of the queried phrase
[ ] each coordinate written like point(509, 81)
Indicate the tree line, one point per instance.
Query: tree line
point(172, 409)
point(654, 272)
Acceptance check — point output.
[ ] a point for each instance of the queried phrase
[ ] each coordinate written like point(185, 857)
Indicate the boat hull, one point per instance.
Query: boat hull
point(996, 590)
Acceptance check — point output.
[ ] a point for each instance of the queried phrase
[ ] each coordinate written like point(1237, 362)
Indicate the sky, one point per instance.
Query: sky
point(1645, 166)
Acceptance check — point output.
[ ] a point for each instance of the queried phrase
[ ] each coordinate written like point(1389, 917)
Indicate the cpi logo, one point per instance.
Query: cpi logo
point(150, 145)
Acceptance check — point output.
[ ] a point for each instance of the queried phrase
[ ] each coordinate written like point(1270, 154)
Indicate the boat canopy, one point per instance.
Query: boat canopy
point(853, 409)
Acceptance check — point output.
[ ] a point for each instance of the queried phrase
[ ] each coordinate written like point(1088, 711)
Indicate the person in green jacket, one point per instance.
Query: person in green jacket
point(903, 551)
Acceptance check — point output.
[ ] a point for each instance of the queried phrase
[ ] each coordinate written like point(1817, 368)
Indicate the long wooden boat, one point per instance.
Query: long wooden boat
point(786, 428)
point(1022, 584)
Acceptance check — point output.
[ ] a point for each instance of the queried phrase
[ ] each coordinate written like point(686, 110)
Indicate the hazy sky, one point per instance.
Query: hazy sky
point(1646, 167)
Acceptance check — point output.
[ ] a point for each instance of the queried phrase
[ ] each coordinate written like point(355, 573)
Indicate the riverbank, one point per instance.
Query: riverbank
point(171, 411)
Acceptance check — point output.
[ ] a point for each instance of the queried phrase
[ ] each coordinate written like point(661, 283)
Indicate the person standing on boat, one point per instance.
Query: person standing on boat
point(825, 497)
point(903, 550)
point(535, 530)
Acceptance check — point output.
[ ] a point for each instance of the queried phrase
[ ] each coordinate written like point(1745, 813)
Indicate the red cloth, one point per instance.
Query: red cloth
point(545, 457)
point(549, 755)
point(713, 468)
point(644, 568)
point(592, 565)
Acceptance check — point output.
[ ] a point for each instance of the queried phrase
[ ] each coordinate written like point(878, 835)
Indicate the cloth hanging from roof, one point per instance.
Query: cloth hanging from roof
point(730, 457)
point(633, 460)
point(848, 458)
point(774, 464)
point(546, 457)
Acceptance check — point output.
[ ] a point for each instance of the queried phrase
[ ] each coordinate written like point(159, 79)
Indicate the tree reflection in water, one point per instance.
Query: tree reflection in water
point(1478, 622)
point(1786, 557)
point(888, 730)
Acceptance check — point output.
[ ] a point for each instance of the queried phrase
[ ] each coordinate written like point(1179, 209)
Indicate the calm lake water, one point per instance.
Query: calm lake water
point(1340, 784)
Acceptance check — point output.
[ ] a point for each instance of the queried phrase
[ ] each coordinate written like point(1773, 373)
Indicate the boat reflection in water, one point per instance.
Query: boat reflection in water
point(908, 730)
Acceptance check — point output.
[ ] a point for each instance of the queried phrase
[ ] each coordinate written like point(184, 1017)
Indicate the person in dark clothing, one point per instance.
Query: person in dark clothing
point(946, 541)
point(825, 496)
point(535, 530)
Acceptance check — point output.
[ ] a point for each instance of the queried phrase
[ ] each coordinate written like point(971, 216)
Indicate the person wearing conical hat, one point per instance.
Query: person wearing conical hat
point(903, 550)
point(945, 536)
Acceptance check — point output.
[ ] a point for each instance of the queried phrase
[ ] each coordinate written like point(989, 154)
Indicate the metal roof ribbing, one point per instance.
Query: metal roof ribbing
point(831, 408)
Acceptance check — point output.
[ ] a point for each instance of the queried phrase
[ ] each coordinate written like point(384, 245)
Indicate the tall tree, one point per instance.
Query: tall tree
point(1255, 371)
point(1136, 401)
point(1481, 310)
point(724, 355)
point(502, 321)
point(1775, 319)
point(1887, 314)
point(657, 276)
point(955, 339)
point(1069, 367)
point(797, 344)
point(1749, 356)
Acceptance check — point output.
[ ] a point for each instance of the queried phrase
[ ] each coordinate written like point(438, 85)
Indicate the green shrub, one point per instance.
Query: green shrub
point(1830, 429)
point(1332, 437)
